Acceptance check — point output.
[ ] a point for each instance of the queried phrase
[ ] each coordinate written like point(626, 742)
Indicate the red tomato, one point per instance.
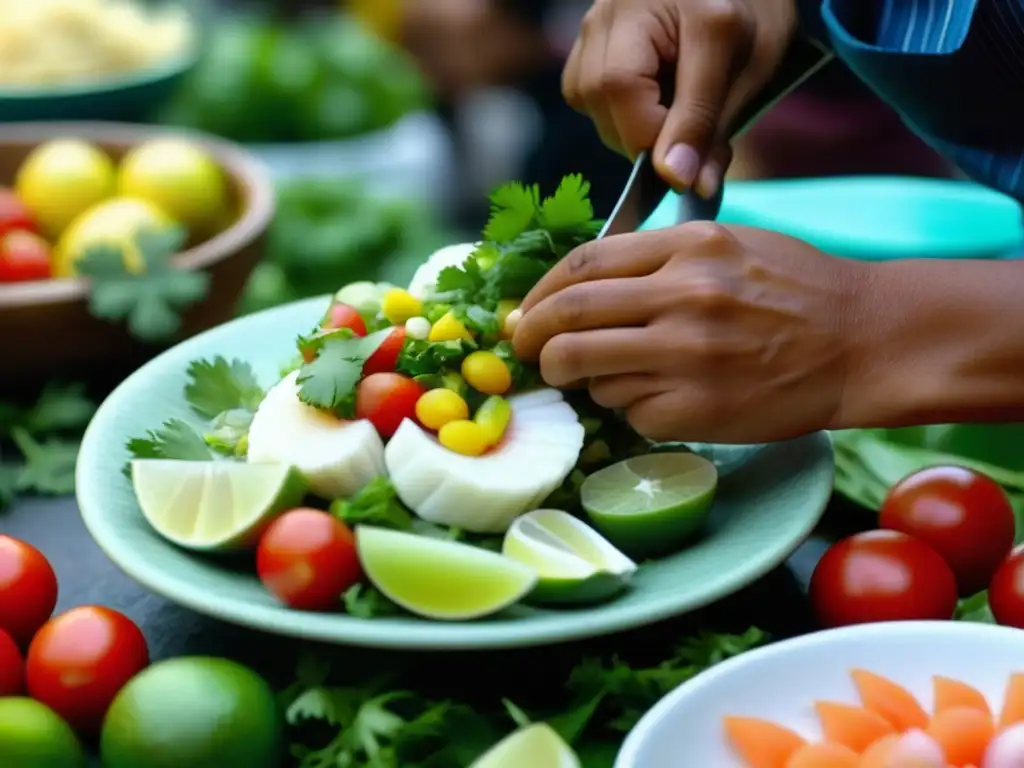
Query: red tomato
point(28, 589)
point(307, 559)
point(386, 399)
point(965, 517)
point(23, 256)
point(1006, 591)
point(344, 316)
point(79, 661)
point(881, 576)
point(14, 214)
point(386, 356)
point(12, 667)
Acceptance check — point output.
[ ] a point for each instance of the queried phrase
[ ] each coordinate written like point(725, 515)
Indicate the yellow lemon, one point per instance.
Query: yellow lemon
point(116, 222)
point(178, 177)
point(61, 179)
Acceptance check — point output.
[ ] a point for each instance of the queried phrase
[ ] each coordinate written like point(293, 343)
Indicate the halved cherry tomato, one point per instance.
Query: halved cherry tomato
point(79, 661)
point(881, 576)
point(307, 559)
point(1006, 591)
point(384, 359)
point(386, 399)
point(24, 256)
point(28, 589)
point(12, 667)
point(344, 316)
point(964, 515)
point(14, 214)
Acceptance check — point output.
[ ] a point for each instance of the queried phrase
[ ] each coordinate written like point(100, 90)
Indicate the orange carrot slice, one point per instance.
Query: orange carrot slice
point(963, 733)
point(878, 754)
point(893, 702)
point(1013, 701)
point(854, 727)
point(760, 743)
point(953, 694)
point(823, 755)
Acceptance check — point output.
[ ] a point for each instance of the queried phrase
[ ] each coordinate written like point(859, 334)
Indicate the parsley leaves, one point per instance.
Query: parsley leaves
point(150, 300)
point(329, 381)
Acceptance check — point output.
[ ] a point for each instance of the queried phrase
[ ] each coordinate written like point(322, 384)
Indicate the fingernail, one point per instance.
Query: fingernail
point(684, 162)
point(709, 180)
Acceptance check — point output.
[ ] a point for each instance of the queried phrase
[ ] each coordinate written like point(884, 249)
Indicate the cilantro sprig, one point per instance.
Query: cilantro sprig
point(328, 382)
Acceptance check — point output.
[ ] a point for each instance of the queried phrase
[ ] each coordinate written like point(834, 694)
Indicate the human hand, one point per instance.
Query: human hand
point(701, 332)
point(723, 51)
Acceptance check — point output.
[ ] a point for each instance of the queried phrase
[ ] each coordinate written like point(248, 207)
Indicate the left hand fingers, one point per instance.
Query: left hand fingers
point(619, 303)
point(569, 357)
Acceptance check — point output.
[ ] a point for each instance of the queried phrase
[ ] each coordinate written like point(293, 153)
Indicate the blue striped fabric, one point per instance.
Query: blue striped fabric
point(953, 68)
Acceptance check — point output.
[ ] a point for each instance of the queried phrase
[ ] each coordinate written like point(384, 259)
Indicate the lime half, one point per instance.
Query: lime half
point(440, 579)
point(214, 505)
point(650, 505)
point(574, 562)
point(536, 746)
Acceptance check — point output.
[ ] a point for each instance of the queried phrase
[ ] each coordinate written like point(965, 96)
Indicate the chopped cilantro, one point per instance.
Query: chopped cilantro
point(376, 504)
point(330, 379)
point(367, 602)
point(220, 385)
point(430, 358)
point(229, 432)
point(149, 300)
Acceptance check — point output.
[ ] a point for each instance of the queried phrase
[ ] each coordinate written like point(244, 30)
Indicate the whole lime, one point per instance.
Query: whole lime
point(33, 736)
point(198, 712)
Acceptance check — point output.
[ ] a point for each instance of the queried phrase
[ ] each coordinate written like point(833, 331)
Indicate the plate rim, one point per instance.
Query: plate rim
point(338, 629)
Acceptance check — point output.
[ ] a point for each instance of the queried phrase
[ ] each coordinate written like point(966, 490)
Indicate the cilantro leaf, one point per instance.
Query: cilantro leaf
point(219, 385)
point(329, 380)
point(49, 465)
point(569, 207)
point(513, 209)
point(176, 439)
point(376, 504)
point(149, 298)
point(365, 602)
point(426, 358)
point(460, 283)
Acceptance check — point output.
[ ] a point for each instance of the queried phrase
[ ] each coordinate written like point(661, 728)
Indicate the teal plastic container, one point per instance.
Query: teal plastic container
point(875, 218)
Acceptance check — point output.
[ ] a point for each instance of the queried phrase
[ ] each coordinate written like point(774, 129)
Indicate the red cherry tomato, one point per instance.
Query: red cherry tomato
point(965, 517)
point(79, 661)
point(12, 667)
point(343, 316)
point(385, 358)
point(14, 214)
point(1006, 591)
point(386, 399)
point(307, 559)
point(24, 256)
point(28, 589)
point(881, 576)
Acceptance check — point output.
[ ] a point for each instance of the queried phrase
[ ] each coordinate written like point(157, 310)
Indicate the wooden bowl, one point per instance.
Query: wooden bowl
point(46, 330)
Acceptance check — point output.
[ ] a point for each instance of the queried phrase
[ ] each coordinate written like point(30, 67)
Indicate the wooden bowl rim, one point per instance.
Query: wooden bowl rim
point(246, 170)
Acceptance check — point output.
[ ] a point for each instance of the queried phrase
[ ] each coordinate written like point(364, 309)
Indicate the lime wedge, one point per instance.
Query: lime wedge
point(574, 562)
point(214, 505)
point(650, 505)
point(536, 746)
point(440, 579)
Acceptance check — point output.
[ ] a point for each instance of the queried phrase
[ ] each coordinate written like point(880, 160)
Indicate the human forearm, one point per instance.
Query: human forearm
point(936, 342)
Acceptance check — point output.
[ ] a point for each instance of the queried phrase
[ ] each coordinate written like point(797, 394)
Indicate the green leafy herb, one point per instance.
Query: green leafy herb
point(59, 408)
point(376, 504)
point(427, 358)
point(218, 385)
point(176, 439)
point(367, 602)
point(329, 381)
point(150, 300)
point(49, 464)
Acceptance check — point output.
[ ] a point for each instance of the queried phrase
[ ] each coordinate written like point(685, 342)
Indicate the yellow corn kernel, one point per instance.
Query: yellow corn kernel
point(437, 407)
point(449, 328)
point(486, 372)
point(399, 305)
point(493, 416)
point(463, 437)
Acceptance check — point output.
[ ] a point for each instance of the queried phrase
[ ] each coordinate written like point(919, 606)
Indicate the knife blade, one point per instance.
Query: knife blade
point(645, 189)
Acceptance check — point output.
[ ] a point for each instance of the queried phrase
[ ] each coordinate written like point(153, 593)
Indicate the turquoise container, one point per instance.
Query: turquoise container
point(875, 218)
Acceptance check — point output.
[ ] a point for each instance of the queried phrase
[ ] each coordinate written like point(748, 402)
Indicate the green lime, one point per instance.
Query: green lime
point(198, 712)
point(440, 579)
point(214, 505)
point(574, 563)
point(33, 736)
point(650, 505)
point(536, 746)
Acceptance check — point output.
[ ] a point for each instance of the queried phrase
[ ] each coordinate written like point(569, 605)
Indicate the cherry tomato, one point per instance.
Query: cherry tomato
point(386, 399)
point(24, 256)
point(881, 576)
point(12, 667)
point(14, 214)
point(385, 358)
point(965, 517)
point(307, 559)
point(344, 316)
point(1006, 591)
point(28, 589)
point(79, 661)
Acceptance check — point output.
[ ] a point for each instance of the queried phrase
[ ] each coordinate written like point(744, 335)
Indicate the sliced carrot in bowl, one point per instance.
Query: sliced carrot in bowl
point(851, 726)
point(760, 743)
point(963, 733)
point(954, 694)
point(823, 755)
point(1013, 701)
point(893, 702)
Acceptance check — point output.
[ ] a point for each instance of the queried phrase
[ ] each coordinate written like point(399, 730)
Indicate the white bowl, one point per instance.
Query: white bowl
point(780, 682)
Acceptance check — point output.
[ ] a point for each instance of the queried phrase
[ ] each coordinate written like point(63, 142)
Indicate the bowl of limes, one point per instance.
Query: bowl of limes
point(118, 240)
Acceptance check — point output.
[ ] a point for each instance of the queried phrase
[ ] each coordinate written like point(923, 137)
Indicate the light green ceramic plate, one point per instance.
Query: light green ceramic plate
point(762, 514)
